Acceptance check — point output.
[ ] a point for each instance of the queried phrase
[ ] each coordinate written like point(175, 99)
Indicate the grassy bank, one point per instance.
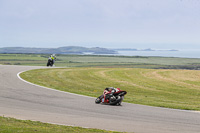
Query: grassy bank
point(11, 125)
point(179, 89)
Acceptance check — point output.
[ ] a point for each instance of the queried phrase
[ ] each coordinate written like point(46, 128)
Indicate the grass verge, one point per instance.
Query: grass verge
point(11, 125)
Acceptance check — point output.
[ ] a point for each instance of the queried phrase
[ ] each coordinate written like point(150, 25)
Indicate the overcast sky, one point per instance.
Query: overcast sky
point(100, 23)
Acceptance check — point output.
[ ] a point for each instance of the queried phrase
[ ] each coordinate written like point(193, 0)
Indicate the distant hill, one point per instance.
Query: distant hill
point(149, 49)
point(60, 50)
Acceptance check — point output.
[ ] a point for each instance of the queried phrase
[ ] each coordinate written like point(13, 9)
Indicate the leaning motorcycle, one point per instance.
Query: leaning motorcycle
point(116, 99)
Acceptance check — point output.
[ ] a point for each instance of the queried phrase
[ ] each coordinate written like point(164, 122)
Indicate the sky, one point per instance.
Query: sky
point(159, 24)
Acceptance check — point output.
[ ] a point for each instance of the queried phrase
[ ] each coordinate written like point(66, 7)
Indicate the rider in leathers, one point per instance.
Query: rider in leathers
point(112, 90)
point(53, 58)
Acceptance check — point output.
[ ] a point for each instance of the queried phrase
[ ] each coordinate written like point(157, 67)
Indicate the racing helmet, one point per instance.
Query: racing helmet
point(109, 88)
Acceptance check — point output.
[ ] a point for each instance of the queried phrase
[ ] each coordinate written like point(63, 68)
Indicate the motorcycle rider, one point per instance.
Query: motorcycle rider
point(110, 95)
point(53, 58)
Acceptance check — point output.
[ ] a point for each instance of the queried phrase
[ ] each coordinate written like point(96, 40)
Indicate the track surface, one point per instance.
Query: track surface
point(24, 101)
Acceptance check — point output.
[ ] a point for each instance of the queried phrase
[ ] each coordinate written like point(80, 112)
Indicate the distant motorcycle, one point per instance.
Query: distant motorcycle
point(50, 62)
point(116, 99)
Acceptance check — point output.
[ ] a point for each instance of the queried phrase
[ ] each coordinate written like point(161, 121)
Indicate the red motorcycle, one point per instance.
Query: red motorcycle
point(115, 99)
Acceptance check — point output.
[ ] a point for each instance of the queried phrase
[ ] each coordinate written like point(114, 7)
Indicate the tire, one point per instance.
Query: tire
point(117, 101)
point(120, 102)
point(98, 100)
point(48, 63)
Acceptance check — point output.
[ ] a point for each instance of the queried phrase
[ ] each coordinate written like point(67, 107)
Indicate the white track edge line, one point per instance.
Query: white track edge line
point(18, 75)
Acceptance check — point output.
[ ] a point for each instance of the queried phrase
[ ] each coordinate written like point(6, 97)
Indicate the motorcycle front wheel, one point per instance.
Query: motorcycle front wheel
point(98, 100)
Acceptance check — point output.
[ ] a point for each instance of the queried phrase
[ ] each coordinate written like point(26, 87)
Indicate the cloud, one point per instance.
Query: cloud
point(133, 21)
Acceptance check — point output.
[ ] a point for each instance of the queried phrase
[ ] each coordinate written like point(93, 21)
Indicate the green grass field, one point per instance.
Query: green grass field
point(101, 61)
point(11, 125)
point(178, 89)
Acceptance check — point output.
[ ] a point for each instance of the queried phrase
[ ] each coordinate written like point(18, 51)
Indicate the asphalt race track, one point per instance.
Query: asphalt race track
point(21, 100)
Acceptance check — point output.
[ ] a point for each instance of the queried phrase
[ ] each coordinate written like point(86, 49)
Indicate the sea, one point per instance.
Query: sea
point(184, 53)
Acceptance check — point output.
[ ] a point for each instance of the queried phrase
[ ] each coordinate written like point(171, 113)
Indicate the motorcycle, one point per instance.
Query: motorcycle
point(116, 99)
point(50, 62)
